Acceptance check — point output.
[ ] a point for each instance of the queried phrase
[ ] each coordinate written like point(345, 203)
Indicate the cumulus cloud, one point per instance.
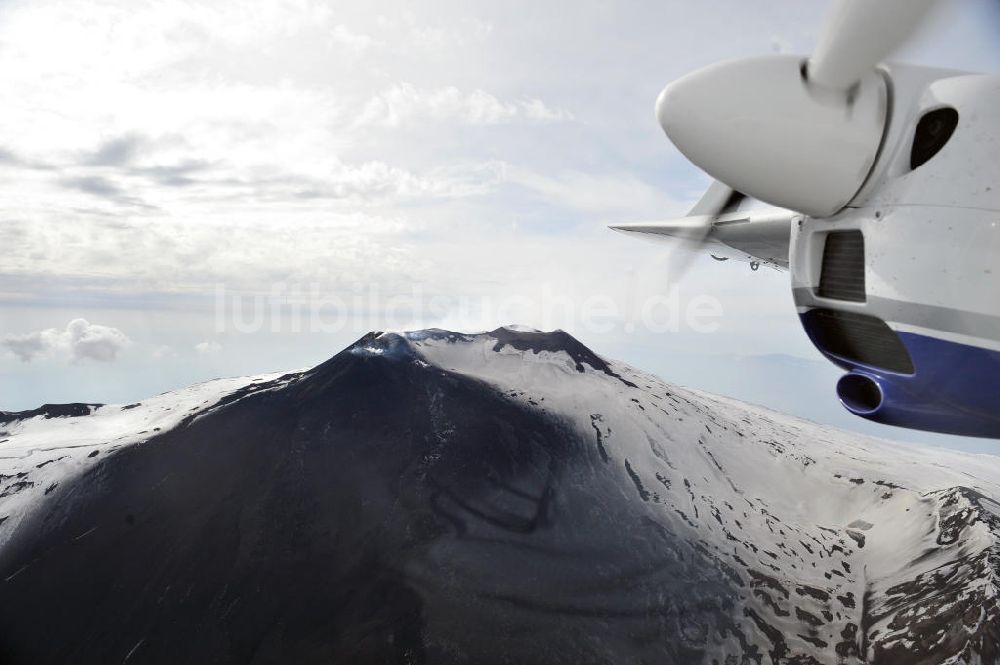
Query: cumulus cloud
point(80, 340)
point(207, 348)
point(403, 104)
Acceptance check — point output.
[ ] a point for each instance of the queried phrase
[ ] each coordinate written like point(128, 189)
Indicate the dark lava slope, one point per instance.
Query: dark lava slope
point(376, 509)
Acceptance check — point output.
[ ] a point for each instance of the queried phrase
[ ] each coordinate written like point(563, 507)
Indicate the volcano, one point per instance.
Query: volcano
point(504, 497)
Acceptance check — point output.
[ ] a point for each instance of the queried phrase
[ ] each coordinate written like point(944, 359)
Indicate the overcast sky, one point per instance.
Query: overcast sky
point(406, 165)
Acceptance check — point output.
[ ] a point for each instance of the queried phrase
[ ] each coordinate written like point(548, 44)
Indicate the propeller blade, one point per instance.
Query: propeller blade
point(859, 34)
point(717, 199)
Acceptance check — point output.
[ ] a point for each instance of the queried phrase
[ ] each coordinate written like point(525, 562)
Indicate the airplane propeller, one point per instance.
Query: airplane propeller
point(858, 35)
point(717, 199)
point(692, 231)
point(797, 133)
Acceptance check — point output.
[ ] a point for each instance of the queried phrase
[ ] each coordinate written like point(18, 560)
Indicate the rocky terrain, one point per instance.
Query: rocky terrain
point(505, 497)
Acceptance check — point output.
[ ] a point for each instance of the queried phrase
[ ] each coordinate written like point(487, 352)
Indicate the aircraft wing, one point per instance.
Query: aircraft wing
point(758, 237)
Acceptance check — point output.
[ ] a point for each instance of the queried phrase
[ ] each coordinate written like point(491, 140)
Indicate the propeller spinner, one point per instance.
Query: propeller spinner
point(796, 134)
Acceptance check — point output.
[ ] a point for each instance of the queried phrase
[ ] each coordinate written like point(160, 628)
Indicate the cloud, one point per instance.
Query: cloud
point(95, 185)
point(163, 351)
point(207, 348)
point(104, 188)
point(404, 104)
point(371, 182)
point(130, 170)
point(80, 340)
point(9, 159)
point(116, 152)
point(354, 41)
point(380, 180)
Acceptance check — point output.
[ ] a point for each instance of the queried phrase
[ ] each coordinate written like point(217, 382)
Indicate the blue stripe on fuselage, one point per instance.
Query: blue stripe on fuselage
point(955, 388)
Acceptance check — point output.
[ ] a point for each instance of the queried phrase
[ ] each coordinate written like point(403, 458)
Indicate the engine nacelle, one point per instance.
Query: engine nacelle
point(908, 379)
point(900, 289)
point(893, 401)
point(758, 126)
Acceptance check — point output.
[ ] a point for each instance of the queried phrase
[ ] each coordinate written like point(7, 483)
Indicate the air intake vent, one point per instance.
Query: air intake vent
point(932, 133)
point(858, 338)
point(843, 273)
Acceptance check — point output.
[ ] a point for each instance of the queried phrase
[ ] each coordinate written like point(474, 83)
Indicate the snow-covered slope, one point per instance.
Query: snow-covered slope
point(502, 497)
point(56, 442)
point(848, 546)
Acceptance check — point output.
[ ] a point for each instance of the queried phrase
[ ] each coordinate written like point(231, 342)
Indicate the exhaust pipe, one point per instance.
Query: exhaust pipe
point(860, 394)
